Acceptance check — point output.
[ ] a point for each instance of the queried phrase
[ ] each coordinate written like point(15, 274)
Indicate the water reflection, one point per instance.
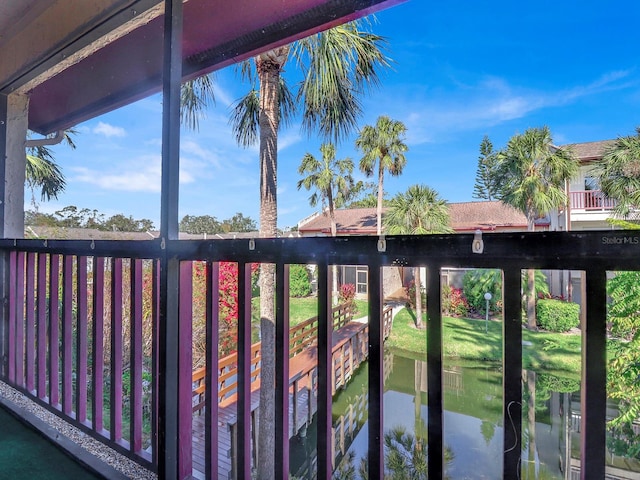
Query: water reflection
point(473, 434)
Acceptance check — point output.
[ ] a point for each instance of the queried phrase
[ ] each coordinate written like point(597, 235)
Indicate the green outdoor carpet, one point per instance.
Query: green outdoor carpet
point(25, 454)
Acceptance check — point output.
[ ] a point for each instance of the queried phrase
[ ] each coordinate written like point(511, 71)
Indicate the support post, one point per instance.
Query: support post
point(13, 133)
point(170, 462)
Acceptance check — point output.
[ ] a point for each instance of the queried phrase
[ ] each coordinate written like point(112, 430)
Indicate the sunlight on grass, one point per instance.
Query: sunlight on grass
point(466, 339)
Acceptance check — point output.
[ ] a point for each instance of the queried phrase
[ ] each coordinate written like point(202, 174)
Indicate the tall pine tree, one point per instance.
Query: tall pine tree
point(486, 187)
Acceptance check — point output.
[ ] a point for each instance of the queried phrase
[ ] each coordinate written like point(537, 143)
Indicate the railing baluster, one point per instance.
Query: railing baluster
point(135, 399)
point(243, 465)
point(19, 316)
point(435, 401)
point(115, 393)
point(67, 335)
point(594, 378)
point(282, 375)
point(12, 330)
point(54, 330)
point(155, 332)
point(512, 372)
point(97, 362)
point(30, 313)
point(42, 326)
point(184, 370)
point(82, 350)
point(211, 372)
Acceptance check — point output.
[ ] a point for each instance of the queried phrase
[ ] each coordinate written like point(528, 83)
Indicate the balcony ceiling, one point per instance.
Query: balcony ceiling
point(77, 59)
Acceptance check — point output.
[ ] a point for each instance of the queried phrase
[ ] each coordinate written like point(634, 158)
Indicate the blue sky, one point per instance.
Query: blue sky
point(462, 70)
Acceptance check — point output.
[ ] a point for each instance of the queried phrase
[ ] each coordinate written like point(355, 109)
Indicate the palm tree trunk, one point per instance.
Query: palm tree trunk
point(334, 232)
point(269, 73)
point(532, 322)
point(380, 198)
point(418, 284)
point(531, 299)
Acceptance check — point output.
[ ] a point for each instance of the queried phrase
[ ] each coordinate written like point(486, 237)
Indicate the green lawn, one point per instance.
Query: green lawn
point(465, 339)
point(301, 309)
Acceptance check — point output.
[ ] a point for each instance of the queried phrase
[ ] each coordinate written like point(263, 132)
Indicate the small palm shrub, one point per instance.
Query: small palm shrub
point(556, 315)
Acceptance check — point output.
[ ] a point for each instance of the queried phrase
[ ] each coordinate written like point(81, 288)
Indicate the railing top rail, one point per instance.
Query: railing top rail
point(607, 249)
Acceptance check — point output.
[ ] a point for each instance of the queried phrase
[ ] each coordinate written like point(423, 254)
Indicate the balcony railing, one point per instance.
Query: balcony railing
point(89, 331)
point(591, 200)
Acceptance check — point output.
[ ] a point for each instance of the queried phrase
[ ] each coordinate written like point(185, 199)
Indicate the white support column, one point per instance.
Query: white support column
point(14, 109)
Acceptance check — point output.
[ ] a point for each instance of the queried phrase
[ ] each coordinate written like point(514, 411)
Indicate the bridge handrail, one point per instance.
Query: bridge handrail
point(305, 333)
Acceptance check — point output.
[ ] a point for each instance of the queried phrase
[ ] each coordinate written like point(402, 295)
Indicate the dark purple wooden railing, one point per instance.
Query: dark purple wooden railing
point(71, 331)
point(63, 310)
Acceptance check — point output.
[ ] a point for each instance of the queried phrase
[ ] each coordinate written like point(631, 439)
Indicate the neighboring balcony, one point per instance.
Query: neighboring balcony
point(590, 205)
point(591, 200)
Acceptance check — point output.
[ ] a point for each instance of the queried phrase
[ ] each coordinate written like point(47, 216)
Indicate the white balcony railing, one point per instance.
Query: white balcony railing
point(591, 200)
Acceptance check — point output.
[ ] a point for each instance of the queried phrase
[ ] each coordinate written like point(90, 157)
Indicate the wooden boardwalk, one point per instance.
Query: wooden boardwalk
point(350, 349)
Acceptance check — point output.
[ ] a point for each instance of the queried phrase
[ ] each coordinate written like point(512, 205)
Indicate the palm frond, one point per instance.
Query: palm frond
point(195, 97)
point(338, 65)
point(244, 119)
point(43, 172)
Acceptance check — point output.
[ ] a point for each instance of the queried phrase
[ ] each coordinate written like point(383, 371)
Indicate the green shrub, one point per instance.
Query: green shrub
point(475, 283)
point(556, 315)
point(299, 281)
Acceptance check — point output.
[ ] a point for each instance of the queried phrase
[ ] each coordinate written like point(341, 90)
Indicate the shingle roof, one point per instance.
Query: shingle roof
point(64, 233)
point(350, 221)
point(589, 151)
point(464, 217)
point(469, 216)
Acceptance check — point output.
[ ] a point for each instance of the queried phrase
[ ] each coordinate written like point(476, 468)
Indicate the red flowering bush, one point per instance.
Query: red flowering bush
point(453, 302)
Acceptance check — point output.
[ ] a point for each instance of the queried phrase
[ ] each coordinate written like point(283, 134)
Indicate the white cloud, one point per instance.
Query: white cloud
point(109, 130)
point(143, 174)
point(493, 101)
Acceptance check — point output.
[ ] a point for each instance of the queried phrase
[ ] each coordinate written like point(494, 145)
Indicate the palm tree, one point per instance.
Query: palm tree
point(333, 181)
point(619, 174)
point(382, 145)
point(533, 173)
point(338, 66)
point(418, 211)
point(330, 177)
point(42, 171)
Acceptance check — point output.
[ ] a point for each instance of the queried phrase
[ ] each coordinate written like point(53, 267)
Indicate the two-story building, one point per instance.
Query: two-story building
point(588, 209)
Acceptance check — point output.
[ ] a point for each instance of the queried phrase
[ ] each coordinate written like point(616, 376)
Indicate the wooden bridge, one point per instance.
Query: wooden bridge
point(350, 349)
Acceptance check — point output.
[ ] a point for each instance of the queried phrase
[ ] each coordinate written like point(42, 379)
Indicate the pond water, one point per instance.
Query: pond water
point(473, 435)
